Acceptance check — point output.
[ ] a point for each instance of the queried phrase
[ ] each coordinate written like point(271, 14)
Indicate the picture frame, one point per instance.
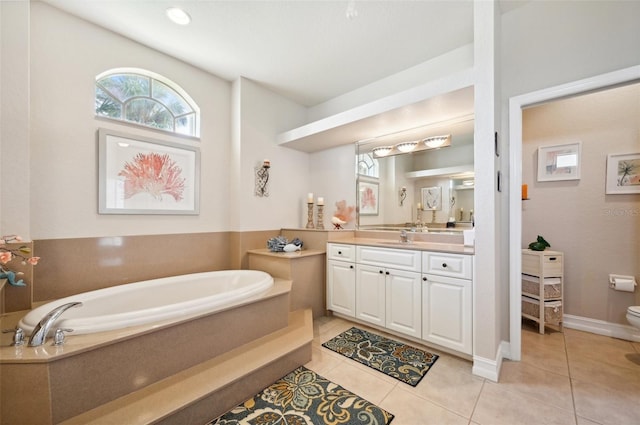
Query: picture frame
point(559, 162)
point(623, 174)
point(431, 198)
point(368, 198)
point(128, 170)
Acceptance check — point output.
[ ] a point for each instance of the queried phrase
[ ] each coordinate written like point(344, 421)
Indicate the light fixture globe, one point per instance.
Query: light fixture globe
point(406, 146)
point(178, 16)
point(437, 142)
point(382, 150)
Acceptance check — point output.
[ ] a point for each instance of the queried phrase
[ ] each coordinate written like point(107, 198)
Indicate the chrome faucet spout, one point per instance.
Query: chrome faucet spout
point(39, 334)
point(403, 236)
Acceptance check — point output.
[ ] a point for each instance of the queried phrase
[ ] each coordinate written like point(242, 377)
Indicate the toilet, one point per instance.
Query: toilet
point(633, 316)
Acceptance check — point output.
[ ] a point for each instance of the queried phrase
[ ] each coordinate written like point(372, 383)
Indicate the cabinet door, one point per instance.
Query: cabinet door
point(404, 302)
point(370, 293)
point(341, 287)
point(447, 312)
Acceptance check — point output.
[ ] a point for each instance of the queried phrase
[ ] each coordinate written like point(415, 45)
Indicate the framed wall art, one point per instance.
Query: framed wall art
point(559, 162)
point(368, 198)
point(137, 175)
point(623, 174)
point(432, 198)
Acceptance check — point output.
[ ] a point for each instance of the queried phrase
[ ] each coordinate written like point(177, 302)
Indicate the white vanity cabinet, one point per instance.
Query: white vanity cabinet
point(370, 294)
point(341, 279)
point(388, 288)
point(447, 317)
point(423, 294)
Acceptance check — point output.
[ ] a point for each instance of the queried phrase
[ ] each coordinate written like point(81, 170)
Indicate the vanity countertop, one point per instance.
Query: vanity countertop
point(452, 248)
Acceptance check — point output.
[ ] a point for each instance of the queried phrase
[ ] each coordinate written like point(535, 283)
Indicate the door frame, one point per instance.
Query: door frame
point(516, 105)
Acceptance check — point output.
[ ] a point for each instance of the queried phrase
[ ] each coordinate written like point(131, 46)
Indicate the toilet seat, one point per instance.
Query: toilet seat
point(634, 310)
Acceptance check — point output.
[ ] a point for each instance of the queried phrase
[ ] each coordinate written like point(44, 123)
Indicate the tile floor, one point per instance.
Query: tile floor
point(564, 378)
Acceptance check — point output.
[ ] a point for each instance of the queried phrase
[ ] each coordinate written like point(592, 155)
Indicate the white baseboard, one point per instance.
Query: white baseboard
point(600, 327)
point(488, 368)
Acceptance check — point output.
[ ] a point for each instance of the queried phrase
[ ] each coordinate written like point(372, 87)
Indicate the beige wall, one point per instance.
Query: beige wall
point(598, 233)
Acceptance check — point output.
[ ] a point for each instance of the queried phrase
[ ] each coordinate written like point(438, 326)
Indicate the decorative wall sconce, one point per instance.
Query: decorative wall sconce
point(403, 195)
point(262, 178)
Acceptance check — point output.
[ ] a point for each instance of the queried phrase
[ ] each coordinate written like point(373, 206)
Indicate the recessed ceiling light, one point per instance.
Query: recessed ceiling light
point(178, 16)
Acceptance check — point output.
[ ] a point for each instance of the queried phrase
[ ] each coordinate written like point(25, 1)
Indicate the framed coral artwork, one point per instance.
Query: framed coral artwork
point(137, 175)
point(368, 198)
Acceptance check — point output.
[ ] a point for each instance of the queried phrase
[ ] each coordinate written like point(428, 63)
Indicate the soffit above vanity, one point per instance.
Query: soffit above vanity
point(432, 103)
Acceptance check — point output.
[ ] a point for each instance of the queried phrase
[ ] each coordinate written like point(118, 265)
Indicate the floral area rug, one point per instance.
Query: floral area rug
point(403, 362)
point(305, 398)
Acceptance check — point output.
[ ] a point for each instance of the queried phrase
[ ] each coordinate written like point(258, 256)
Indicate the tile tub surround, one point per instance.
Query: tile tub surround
point(306, 270)
point(125, 360)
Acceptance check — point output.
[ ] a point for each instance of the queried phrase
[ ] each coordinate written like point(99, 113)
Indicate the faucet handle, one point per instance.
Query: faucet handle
point(18, 335)
point(58, 337)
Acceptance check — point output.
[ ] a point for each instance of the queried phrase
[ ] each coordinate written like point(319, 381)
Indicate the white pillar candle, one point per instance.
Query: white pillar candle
point(320, 201)
point(310, 198)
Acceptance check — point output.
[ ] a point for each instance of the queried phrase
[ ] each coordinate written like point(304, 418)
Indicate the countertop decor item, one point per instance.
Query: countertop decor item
point(280, 244)
point(8, 254)
point(539, 245)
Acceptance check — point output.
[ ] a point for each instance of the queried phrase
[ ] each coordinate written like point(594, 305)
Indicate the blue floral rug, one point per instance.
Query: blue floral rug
point(305, 398)
point(403, 362)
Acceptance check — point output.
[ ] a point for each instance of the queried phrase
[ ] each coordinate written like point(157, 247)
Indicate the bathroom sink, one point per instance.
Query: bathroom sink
point(396, 243)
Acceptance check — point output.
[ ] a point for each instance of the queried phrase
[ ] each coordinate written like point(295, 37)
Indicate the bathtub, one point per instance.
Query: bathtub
point(153, 300)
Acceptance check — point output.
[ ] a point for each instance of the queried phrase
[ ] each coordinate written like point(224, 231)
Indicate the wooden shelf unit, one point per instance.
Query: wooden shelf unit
point(542, 285)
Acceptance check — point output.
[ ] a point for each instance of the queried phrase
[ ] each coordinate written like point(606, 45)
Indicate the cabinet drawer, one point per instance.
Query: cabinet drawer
point(402, 259)
point(341, 252)
point(452, 265)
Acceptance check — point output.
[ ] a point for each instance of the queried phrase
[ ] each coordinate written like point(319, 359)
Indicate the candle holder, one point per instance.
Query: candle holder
point(310, 215)
point(320, 222)
point(419, 219)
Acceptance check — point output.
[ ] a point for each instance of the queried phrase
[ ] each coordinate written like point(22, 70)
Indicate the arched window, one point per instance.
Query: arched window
point(146, 98)
point(367, 165)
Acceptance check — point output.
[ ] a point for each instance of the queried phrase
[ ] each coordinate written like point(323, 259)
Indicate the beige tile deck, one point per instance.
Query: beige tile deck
point(568, 378)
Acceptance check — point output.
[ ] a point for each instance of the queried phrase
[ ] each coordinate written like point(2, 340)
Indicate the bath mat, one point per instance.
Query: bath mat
point(305, 398)
point(401, 361)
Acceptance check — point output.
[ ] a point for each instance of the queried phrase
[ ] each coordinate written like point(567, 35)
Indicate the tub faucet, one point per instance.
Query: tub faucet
point(39, 334)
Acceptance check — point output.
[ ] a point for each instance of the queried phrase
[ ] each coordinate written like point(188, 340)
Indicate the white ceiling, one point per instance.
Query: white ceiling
point(308, 51)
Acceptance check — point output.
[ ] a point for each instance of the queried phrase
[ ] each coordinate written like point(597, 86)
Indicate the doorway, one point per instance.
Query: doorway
point(516, 105)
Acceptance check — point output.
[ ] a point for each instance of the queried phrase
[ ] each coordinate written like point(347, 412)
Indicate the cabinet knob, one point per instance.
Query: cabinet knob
point(387, 272)
point(381, 272)
point(424, 278)
point(444, 265)
point(339, 252)
point(350, 267)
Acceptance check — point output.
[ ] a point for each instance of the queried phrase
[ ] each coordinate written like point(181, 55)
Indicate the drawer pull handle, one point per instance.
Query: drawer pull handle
point(552, 258)
point(444, 265)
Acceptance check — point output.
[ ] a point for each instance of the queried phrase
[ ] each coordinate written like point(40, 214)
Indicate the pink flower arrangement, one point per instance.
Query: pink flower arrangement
point(9, 254)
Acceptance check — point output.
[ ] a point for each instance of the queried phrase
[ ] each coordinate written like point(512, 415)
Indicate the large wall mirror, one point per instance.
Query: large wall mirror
point(420, 179)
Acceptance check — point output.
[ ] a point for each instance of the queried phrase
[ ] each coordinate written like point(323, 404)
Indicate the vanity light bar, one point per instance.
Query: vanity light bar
point(404, 147)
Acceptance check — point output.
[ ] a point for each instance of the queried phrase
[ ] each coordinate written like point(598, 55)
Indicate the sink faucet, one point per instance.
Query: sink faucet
point(403, 236)
point(39, 334)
